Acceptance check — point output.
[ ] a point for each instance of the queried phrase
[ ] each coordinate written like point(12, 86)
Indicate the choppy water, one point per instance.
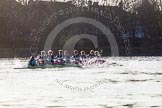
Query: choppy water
point(136, 84)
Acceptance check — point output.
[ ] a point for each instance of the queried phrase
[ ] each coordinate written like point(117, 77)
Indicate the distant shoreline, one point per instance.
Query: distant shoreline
point(14, 52)
point(25, 52)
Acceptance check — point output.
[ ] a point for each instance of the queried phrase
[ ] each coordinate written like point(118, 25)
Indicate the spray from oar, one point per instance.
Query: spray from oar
point(17, 63)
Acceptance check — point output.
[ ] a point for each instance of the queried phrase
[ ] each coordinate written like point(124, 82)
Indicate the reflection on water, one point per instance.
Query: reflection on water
point(131, 83)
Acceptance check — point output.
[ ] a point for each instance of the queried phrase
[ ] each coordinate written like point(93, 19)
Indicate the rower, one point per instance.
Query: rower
point(43, 58)
point(32, 61)
point(91, 54)
point(50, 57)
point(82, 55)
point(98, 60)
point(60, 57)
point(75, 56)
point(60, 54)
point(66, 57)
point(97, 54)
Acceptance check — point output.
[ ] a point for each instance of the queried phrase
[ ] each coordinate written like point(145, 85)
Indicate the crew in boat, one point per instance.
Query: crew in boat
point(66, 57)
point(32, 61)
point(50, 57)
point(75, 57)
point(91, 54)
point(43, 58)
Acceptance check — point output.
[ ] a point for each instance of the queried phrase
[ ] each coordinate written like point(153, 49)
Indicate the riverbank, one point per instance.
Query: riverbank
point(14, 52)
point(25, 52)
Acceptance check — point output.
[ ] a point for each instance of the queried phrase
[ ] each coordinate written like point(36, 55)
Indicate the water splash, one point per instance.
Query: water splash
point(17, 63)
point(95, 62)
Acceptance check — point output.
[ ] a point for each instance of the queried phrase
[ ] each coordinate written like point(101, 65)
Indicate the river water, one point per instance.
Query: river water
point(130, 83)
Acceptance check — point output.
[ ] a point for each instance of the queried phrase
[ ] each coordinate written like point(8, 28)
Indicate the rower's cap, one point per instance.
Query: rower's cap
point(75, 51)
point(96, 52)
point(60, 50)
point(82, 52)
point(65, 51)
point(50, 51)
point(43, 51)
point(91, 51)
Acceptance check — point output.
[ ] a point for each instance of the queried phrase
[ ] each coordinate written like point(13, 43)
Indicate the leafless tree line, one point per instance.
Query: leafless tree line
point(129, 5)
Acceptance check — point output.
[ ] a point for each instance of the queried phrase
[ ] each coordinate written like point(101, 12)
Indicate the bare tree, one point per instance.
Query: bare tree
point(24, 2)
point(128, 5)
point(79, 2)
